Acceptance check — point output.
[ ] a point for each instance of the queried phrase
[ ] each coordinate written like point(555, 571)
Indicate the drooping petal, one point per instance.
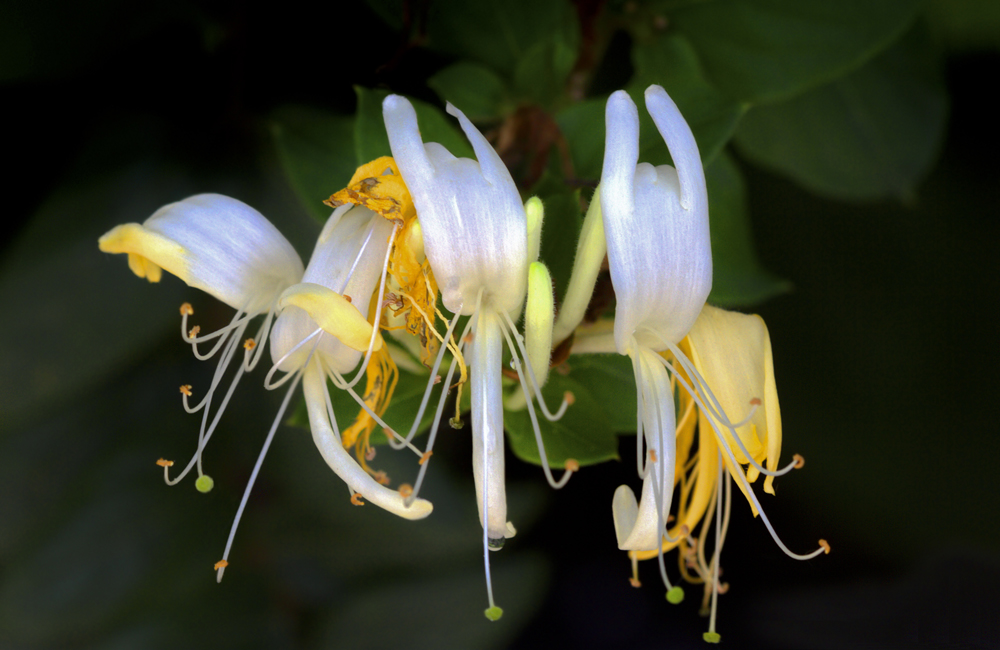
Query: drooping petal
point(332, 312)
point(333, 452)
point(473, 221)
point(213, 243)
point(732, 351)
point(659, 250)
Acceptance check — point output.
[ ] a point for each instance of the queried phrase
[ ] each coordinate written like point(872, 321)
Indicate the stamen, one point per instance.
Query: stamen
point(194, 332)
point(186, 390)
point(572, 465)
point(187, 309)
point(634, 582)
point(531, 408)
point(532, 381)
point(370, 453)
point(381, 478)
point(356, 499)
point(432, 437)
point(348, 298)
point(825, 545)
point(249, 344)
point(405, 490)
point(569, 398)
point(165, 463)
point(800, 462)
point(652, 455)
point(221, 564)
point(423, 459)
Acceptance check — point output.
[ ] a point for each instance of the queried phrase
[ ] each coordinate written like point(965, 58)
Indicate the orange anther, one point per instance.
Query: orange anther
point(381, 478)
point(572, 465)
point(755, 401)
point(389, 433)
point(163, 462)
point(799, 461)
point(187, 309)
point(221, 564)
point(249, 344)
point(569, 398)
point(722, 588)
point(194, 331)
point(826, 546)
point(634, 582)
point(186, 389)
point(370, 453)
point(405, 490)
point(437, 379)
point(652, 455)
point(468, 338)
point(356, 499)
point(347, 298)
point(423, 459)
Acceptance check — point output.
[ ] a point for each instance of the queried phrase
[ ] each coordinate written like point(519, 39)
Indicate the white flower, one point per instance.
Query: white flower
point(231, 251)
point(482, 247)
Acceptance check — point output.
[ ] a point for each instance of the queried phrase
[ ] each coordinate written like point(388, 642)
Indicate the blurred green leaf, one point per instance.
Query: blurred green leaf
point(582, 124)
point(738, 278)
point(541, 73)
point(874, 133)
point(473, 88)
point(767, 50)
point(604, 391)
point(499, 33)
point(317, 152)
point(371, 141)
point(966, 25)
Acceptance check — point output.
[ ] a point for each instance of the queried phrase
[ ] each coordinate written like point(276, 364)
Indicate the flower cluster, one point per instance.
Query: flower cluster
point(424, 223)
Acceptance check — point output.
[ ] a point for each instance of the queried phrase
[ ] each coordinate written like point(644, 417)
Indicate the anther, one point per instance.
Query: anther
point(356, 499)
point(569, 398)
point(755, 401)
point(652, 455)
point(221, 564)
point(186, 389)
point(348, 298)
point(468, 338)
point(163, 462)
point(194, 331)
point(249, 344)
point(826, 546)
point(405, 490)
point(389, 434)
point(423, 459)
point(370, 453)
point(799, 462)
point(572, 465)
point(381, 478)
point(437, 379)
point(722, 588)
point(187, 309)
point(634, 582)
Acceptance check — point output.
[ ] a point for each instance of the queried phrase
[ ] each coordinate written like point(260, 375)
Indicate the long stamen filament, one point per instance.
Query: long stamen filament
point(533, 382)
point(432, 436)
point(341, 383)
point(274, 368)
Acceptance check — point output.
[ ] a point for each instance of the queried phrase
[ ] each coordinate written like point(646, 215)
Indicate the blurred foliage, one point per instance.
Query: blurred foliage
point(128, 108)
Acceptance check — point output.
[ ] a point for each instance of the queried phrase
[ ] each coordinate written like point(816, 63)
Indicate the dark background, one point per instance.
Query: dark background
point(884, 356)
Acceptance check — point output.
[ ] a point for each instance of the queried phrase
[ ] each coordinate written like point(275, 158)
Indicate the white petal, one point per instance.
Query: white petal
point(217, 244)
point(658, 250)
point(473, 221)
point(348, 260)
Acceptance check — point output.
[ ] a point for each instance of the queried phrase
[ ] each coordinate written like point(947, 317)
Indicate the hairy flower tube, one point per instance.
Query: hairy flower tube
point(482, 244)
point(230, 250)
point(655, 222)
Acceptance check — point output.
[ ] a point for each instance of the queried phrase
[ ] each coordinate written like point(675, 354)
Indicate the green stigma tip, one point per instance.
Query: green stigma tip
point(494, 613)
point(675, 595)
point(711, 637)
point(204, 484)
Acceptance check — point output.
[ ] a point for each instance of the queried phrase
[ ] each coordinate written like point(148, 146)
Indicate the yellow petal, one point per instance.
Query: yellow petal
point(333, 313)
point(732, 351)
point(148, 252)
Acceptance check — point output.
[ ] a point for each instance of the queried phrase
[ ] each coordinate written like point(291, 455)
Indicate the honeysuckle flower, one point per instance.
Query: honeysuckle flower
point(230, 250)
point(482, 244)
point(655, 222)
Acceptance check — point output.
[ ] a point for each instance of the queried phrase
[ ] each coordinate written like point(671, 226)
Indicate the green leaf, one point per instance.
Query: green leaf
point(540, 75)
point(371, 141)
point(738, 278)
point(605, 405)
point(499, 33)
point(582, 124)
point(316, 150)
point(671, 62)
point(474, 88)
point(872, 134)
point(767, 50)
